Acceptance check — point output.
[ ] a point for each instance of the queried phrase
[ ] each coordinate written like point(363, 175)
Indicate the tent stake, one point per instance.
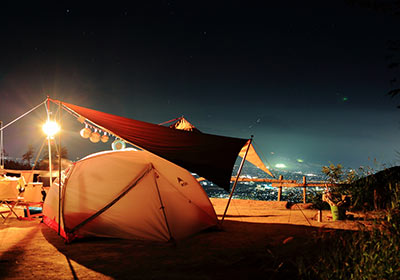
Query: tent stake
point(237, 178)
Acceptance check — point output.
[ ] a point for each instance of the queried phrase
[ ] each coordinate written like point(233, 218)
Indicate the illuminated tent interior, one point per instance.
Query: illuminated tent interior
point(128, 194)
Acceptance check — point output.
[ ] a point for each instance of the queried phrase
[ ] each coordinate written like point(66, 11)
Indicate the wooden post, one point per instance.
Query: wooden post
point(304, 189)
point(280, 189)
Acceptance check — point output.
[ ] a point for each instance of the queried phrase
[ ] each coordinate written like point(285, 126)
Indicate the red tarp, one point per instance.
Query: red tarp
point(210, 156)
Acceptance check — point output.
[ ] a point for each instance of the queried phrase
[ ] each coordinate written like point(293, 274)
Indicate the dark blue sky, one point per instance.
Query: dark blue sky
point(307, 78)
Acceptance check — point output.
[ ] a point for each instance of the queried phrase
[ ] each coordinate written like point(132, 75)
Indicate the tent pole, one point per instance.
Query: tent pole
point(163, 208)
point(237, 178)
point(59, 169)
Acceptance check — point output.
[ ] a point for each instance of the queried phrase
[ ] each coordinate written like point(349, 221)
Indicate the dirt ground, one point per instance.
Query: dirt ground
point(257, 239)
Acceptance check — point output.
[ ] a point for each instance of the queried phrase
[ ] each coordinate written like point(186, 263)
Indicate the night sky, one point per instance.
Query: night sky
point(309, 79)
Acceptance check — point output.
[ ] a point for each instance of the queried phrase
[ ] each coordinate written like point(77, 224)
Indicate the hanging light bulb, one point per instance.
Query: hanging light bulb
point(95, 137)
point(85, 132)
point(104, 138)
point(118, 144)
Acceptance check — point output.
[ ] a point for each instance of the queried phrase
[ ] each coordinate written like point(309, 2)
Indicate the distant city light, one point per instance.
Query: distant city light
point(280, 165)
point(50, 128)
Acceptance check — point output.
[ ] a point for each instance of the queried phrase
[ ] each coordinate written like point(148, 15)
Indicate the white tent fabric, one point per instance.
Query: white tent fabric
point(129, 194)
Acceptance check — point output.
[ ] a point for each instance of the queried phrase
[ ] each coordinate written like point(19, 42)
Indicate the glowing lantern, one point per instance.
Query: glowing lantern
point(85, 132)
point(118, 145)
point(104, 138)
point(95, 137)
point(51, 128)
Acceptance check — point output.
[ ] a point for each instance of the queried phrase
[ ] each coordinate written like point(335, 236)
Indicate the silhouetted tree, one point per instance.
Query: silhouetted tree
point(29, 154)
point(54, 152)
point(16, 165)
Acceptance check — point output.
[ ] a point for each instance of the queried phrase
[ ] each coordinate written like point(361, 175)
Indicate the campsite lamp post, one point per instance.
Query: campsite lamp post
point(50, 128)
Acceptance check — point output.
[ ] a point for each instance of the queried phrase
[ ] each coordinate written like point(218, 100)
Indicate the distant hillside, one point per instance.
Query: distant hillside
point(374, 189)
point(389, 175)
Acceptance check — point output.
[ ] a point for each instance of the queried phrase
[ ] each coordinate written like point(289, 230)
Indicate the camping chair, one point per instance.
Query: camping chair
point(31, 196)
point(9, 193)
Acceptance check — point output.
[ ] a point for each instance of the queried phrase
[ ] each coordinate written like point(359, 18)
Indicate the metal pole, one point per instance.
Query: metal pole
point(59, 169)
point(1, 146)
point(49, 143)
point(237, 178)
point(20, 117)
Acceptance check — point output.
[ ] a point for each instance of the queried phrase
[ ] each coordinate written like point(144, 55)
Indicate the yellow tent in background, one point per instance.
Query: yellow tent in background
point(252, 156)
point(183, 124)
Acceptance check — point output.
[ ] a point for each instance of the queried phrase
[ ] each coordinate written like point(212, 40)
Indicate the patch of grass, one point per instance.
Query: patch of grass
point(365, 254)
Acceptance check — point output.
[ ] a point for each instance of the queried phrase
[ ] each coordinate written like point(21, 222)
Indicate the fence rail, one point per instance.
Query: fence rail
point(281, 183)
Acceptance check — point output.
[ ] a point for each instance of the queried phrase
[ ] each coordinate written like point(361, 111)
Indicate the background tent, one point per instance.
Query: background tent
point(183, 124)
point(129, 194)
point(210, 156)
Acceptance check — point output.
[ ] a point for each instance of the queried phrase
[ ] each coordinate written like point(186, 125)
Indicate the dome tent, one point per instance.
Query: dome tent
point(128, 194)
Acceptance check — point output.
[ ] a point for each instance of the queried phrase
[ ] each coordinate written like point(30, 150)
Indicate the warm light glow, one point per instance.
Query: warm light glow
point(50, 128)
point(118, 145)
point(95, 137)
point(280, 165)
point(104, 138)
point(85, 132)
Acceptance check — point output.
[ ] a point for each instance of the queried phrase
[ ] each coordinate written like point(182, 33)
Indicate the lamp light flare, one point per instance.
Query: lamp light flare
point(280, 165)
point(50, 128)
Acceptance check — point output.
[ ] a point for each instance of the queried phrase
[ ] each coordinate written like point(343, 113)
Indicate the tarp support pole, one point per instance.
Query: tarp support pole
point(59, 169)
point(237, 179)
point(23, 115)
point(1, 146)
point(49, 142)
point(10, 123)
